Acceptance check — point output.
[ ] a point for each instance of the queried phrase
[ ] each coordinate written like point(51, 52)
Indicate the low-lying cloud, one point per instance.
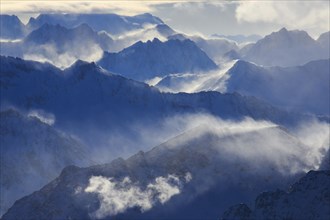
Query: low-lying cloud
point(118, 196)
point(312, 16)
point(49, 53)
point(214, 80)
point(265, 142)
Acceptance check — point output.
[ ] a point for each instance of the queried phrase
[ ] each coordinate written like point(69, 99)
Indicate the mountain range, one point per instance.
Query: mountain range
point(92, 103)
point(111, 23)
point(189, 169)
point(11, 27)
point(285, 48)
point(59, 45)
point(284, 87)
point(105, 116)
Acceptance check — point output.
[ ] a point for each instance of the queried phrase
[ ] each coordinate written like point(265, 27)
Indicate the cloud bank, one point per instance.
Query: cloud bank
point(118, 196)
point(292, 14)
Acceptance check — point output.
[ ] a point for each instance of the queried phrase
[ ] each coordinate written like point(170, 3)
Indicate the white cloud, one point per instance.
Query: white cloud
point(49, 53)
point(307, 15)
point(118, 196)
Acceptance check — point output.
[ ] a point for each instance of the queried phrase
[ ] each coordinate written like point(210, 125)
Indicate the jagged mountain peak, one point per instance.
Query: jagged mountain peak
point(284, 36)
point(285, 48)
point(143, 61)
point(56, 31)
point(11, 27)
point(112, 23)
point(148, 17)
point(283, 30)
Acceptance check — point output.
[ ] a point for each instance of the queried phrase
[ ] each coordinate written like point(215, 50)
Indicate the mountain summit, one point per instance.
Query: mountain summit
point(285, 48)
point(143, 61)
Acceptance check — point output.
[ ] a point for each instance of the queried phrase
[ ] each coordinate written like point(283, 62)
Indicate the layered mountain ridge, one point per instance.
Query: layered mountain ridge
point(202, 152)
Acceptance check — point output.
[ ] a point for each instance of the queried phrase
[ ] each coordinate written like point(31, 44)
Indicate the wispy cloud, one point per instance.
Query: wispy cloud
point(118, 196)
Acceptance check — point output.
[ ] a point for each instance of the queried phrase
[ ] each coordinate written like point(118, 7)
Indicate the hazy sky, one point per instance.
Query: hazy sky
point(199, 16)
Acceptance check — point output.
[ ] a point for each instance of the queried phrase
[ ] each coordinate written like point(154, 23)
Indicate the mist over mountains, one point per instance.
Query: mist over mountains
point(105, 116)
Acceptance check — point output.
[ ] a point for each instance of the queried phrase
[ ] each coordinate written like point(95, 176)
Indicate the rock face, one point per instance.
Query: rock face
point(143, 61)
point(32, 154)
point(285, 48)
point(309, 198)
point(209, 164)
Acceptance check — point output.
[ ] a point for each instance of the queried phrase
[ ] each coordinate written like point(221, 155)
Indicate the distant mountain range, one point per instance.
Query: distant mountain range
point(283, 48)
point(93, 103)
point(59, 45)
point(111, 23)
point(285, 87)
point(62, 37)
point(286, 48)
point(11, 27)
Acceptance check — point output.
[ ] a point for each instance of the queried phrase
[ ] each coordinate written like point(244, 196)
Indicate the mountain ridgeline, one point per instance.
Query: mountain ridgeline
point(143, 61)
